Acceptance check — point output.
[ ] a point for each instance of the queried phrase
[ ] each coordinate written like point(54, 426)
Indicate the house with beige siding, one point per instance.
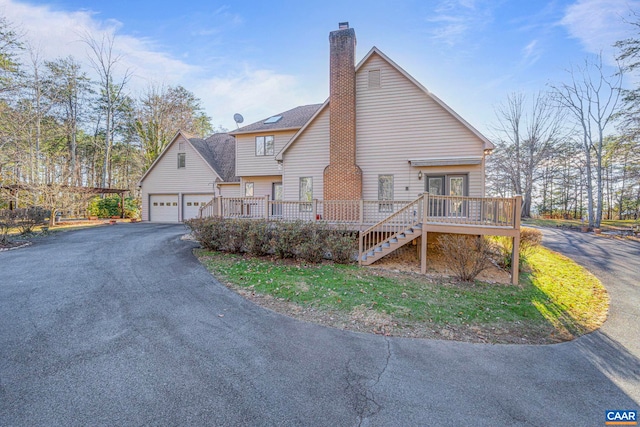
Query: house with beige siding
point(381, 154)
point(187, 175)
point(381, 135)
point(256, 147)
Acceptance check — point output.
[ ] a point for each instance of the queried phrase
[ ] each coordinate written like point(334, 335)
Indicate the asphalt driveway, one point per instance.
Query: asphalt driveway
point(121, 326)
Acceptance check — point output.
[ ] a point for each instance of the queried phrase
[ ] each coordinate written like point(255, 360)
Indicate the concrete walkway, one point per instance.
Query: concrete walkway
point(121, 326)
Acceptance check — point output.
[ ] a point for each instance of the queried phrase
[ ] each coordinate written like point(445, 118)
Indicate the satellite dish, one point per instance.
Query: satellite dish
point(237, 117)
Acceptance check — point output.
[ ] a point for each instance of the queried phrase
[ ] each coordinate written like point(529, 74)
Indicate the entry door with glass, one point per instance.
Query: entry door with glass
point(435, 187)
point(457, 189)
point(276, 195)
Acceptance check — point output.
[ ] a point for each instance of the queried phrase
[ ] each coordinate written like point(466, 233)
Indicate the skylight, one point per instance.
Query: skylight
point(272, 119)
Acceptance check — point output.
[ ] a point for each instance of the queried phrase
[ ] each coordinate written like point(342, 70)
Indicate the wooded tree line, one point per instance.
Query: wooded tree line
point(61, 128)
point(573, 149)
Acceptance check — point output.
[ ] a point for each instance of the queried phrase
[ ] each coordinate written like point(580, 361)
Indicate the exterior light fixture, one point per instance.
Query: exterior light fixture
point(420, 175)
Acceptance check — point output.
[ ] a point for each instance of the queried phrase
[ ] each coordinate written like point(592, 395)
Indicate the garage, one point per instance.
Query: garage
point(163, 208)
point(191, 204)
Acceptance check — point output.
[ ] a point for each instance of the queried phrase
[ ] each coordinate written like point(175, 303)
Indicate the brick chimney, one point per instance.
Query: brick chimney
point(343, 177)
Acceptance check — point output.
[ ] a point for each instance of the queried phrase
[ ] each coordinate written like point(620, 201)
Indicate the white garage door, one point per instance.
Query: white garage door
point(163, 208)
point(191, 204)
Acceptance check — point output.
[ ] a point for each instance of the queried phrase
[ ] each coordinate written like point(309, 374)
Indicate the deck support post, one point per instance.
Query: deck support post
point(423, 239)
point(360, 245)
point(266, 207)
point(423, 251)
point(515, 252)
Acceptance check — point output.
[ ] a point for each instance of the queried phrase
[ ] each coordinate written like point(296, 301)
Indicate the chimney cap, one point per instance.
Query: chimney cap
point(343, 25)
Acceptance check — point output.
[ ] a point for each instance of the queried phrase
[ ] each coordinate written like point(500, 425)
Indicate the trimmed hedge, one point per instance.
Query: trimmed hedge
point(308, 241)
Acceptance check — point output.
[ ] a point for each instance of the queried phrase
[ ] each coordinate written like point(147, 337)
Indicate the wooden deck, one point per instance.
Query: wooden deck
point(385, 226)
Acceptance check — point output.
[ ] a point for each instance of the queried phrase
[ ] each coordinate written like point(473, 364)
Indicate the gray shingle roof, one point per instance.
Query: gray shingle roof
point(294, 118)
point(219, 150)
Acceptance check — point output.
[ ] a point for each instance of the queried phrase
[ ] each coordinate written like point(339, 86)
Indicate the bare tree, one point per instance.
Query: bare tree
point(162, 111)
point(527, 135)
point(68, 87)
point(40, 108)
point(104, 62)
point(591, 98)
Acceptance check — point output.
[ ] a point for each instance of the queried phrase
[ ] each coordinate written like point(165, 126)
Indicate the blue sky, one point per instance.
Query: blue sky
point(259, 58)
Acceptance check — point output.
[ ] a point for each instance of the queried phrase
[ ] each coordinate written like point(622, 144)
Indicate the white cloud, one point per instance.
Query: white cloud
point(530, 54)
point(256, 93)
point(59, 34)
point(454, 19)
point(598, 24)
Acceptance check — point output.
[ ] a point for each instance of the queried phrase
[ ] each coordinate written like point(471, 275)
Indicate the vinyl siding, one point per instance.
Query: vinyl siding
point(262, 185)
point(308, 156)
point(248, 164)
point(230, 191)
point(398, 121)
point(395, 122)
point(166, 178)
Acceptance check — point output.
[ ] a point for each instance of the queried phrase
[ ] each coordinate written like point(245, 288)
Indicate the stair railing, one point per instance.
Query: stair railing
point(210, 209)
point(398, 222)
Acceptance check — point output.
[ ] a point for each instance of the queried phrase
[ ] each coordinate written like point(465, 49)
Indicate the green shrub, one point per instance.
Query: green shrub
point(308, 241)
point(311, 242)
point(259, 235)
point(131, 208)
point(342, 244)
point(468, 256)
point(110, 206)
point(286, 238)
point(210, 232)
point(235, 235)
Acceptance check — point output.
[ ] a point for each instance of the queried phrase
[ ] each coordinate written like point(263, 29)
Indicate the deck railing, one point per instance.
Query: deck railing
point(478, 211)
point(483, 211)
point(338, 211)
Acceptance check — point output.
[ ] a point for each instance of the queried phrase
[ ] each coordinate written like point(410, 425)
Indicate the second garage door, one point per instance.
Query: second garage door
point(163, 208)
point(191, 204)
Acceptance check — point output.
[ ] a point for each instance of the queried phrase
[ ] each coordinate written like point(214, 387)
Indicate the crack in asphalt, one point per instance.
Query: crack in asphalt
point(365, 404)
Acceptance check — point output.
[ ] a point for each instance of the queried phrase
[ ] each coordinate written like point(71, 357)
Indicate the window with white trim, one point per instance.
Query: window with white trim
point(182, 160)
point(306, 193)
point(264, 145)
point(248, 189)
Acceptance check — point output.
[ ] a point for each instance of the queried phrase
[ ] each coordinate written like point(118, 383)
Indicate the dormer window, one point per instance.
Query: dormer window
point(264, 146)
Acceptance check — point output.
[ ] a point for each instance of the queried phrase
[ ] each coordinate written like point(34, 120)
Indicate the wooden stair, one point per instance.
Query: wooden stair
point(389, 245)
point(391, 233)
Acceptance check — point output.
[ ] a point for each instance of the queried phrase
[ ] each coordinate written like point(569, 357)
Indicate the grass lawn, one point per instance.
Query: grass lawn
point(558, 300)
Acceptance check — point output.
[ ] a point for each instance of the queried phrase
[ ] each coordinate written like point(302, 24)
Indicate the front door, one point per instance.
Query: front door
point(276, 194)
